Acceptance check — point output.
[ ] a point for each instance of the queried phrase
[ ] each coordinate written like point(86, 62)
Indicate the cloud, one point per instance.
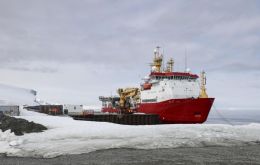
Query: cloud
point(114, 40)
point(237, 67)
point(39, 69)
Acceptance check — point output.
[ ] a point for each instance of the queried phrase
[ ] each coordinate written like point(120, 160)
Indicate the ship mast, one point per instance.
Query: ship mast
point(157, 61)
point(170, 65)
point(203, 93)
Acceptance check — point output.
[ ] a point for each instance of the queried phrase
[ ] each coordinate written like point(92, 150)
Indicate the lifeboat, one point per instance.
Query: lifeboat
point(147, 86)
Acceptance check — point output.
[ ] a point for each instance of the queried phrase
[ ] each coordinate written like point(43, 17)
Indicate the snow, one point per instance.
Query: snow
point(68, 136)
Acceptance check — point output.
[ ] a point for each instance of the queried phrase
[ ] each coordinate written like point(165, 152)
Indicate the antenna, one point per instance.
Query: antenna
point(185, 59)
point(163, 64)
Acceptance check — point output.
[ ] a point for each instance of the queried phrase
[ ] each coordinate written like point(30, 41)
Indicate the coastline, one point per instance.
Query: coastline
point(248, 154)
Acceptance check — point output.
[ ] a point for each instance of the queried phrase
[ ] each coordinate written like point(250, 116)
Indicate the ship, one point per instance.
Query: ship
point(176, 97)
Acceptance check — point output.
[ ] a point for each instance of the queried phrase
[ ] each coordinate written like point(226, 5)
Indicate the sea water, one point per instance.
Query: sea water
point(233, 117)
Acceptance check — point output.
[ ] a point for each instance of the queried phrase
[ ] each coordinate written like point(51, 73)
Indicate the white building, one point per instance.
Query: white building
point(72, 109)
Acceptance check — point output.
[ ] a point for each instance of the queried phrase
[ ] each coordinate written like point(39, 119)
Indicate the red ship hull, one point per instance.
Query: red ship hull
point(176, 111)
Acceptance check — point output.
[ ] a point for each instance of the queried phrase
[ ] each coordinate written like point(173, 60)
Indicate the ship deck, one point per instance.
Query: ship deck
point(127, 119)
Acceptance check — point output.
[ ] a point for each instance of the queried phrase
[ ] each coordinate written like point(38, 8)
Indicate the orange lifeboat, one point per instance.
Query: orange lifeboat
point(147, 86)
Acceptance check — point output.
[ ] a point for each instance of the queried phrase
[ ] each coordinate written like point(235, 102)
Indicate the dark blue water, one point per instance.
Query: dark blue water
point(233, 117)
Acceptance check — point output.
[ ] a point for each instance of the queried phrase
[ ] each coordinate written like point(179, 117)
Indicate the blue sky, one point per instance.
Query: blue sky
point(74, 51)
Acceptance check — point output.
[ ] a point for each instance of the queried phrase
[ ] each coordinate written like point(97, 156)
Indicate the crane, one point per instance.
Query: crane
point(129, 97)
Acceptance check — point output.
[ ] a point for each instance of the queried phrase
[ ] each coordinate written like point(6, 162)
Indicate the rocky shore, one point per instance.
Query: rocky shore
point(19, 126)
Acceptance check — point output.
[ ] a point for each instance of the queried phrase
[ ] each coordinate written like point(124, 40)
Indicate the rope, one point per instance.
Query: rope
point(222, 117)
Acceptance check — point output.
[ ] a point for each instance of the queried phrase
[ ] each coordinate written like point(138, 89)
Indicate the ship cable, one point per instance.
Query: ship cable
point(226, 120)
point(222, 117)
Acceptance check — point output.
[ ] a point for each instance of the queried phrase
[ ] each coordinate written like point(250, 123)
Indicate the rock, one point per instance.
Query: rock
point(1, 115)
point(19, 126)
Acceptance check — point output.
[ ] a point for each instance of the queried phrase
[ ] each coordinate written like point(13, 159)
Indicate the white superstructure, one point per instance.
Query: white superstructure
point(164, 84)
point(170, 87)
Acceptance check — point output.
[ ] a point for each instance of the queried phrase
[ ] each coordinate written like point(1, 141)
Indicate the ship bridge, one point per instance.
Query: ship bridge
point(173, 75)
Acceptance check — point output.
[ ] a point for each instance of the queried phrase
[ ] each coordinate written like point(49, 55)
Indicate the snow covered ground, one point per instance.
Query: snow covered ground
point(67, 136)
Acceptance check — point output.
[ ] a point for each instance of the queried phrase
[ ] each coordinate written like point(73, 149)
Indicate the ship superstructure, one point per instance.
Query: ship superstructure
point(177, 97)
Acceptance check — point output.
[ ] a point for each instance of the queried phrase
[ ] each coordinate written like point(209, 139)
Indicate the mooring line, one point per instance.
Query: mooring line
point(222, 117)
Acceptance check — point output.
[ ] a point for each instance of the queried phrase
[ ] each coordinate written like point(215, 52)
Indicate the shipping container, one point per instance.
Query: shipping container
point(72, 109)
point(10, 110)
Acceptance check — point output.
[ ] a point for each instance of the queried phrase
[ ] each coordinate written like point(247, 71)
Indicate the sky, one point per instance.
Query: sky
point(73, 51)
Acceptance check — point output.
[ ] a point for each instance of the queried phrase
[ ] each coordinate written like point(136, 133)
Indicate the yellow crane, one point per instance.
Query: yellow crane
point(129, 97)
